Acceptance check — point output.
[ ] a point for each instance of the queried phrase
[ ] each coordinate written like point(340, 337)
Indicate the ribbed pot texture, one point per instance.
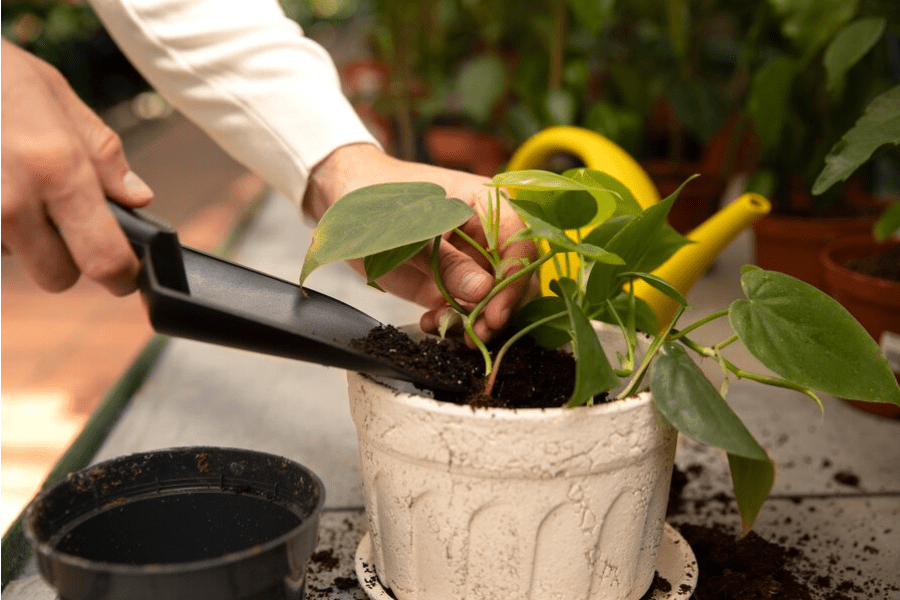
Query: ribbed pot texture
point(488, 504)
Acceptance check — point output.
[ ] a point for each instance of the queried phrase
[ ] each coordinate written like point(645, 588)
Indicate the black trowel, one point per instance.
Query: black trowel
point(194, 295)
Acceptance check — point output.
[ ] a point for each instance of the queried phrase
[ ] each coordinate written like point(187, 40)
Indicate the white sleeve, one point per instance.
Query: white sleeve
point(244, 73)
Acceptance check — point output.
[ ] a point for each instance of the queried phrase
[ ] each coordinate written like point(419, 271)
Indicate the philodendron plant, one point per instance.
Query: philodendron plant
point(804, 337)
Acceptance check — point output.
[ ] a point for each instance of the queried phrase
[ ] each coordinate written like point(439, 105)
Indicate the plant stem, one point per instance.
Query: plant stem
point(503, 283)
point(468, 317)
point(469, 326)
point(468, 239)
point(469, 321)
point(634, 384)
point(697, 325)
point(489, 385)
point(726, 343)
point(628, 364)
point(742, 374)
point(438, 280)
point(495, 229)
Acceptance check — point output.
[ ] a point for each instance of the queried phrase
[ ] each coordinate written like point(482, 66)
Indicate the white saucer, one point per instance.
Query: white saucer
point(676, 564)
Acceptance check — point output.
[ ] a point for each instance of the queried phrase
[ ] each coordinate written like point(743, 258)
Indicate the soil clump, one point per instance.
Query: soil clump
point(529, 376)
point(883, 265)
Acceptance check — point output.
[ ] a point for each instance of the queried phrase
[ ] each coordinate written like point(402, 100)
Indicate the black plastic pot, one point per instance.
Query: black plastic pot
point(194, 523)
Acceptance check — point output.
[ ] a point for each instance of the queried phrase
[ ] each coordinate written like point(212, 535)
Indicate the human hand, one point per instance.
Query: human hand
point(60, 162)
point(464, 271)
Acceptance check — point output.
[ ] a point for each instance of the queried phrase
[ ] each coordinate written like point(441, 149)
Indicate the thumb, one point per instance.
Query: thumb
point(464, 278)
point(104, 147)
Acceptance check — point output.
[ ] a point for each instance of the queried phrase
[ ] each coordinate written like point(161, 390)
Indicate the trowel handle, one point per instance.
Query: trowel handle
point(155, 243)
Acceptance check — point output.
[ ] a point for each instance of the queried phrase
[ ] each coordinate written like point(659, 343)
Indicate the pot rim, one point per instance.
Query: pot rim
point(855, 246)
point(48, 552)
point(424, 403)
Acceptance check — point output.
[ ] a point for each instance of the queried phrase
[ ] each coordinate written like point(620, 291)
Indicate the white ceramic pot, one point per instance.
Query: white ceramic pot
point(495, 504)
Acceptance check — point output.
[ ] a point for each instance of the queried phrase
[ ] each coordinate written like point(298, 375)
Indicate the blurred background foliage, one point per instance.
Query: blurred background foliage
point(659, 77)
point(69, 36)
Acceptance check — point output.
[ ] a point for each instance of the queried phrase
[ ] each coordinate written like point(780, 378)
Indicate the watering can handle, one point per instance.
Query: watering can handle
point(687, 265)
point(594, 150)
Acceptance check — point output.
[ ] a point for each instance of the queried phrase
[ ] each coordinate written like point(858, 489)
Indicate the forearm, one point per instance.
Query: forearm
point(246, 75)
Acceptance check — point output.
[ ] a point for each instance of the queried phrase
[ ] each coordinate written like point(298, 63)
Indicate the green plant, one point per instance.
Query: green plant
point(877, 129)
point(813, 67)
point(802, 335)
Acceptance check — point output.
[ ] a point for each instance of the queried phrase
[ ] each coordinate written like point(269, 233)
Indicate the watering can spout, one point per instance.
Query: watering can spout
point(689, 263)
point(709, 239)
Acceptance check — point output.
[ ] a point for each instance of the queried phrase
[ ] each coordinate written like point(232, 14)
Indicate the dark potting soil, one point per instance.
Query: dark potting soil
point(883, 265)
point(735, 567)
point(742, 568)
point(529, 376)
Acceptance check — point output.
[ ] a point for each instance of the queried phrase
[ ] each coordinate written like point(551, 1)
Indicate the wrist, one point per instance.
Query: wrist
point(335, 176)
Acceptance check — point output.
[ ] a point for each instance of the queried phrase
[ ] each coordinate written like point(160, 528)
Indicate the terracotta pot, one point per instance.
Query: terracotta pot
point(874, 302)
point(792, 244)
point(484, 504)
point(461, 148)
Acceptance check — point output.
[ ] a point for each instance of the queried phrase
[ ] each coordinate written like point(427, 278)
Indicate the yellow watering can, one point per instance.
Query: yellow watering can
point(686, 265)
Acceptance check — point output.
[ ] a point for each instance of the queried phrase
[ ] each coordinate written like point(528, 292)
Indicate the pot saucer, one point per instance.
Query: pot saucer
point(676, 564)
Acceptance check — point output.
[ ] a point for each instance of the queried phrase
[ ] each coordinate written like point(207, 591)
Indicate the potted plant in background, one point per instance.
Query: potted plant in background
point(580, 504)
point(812, 77)
point(445, 81)
point(863, 272)
point(457, 133)
point(680, 65)
point(660, 80)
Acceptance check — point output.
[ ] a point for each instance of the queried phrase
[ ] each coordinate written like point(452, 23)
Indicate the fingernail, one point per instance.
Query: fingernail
point(136, 188)
point(471, 282)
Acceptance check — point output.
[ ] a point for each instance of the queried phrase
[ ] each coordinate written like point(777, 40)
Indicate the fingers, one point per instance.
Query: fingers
point(38, 247)
point(104, 149)
point(92, 236)
point(60, 162)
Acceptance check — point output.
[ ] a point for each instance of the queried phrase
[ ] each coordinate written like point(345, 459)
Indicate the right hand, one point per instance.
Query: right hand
point(465, 276)
point(60, 163)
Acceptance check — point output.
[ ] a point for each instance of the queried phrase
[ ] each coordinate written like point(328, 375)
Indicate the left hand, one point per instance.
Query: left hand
point(463, 270)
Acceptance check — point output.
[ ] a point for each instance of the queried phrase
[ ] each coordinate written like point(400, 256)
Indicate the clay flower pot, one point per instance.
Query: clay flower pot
point(462, 148)
point(792, 244)
point(873, 301)
point(497, 503)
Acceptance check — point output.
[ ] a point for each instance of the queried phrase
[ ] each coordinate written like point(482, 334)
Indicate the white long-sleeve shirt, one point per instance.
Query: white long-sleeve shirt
point(246, 74)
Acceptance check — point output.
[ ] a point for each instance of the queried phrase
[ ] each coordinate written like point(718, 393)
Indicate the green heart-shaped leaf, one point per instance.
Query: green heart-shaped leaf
point(850, 45)
point(878, 126)
point(752, 480)
point(684, 395)
point(806, 337)
point(382, 217)
point(554, 334)
point(378, 265)
point(563, 201)
point(536, 180)
point(560, 242)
